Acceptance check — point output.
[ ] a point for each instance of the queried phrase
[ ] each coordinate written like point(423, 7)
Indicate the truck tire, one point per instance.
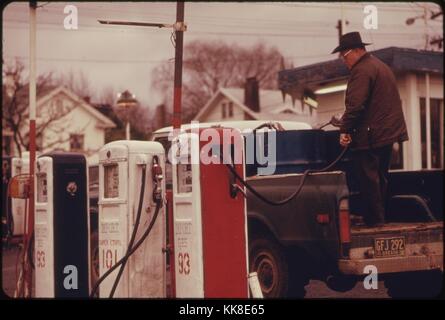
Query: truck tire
point(268, 259)
point(419, 284)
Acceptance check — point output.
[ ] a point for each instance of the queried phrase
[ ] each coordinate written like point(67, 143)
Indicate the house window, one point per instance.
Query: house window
point(223, 109)
point(436, 131)
point(230, 109)
point(59, 104)
point(76, 142)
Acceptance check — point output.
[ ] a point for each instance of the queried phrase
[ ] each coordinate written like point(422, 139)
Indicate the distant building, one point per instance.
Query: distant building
point(78, 127)
point(252, 103)
point(419, 76)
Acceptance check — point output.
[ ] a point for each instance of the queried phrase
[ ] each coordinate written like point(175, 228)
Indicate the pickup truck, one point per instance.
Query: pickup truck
point(320, 234)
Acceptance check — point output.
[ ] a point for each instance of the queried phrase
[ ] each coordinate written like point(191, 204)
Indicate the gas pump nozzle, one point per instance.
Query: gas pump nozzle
point(157, 175)
point(336, 121)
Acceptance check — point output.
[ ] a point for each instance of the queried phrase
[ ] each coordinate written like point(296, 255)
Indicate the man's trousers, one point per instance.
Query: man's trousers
point(371, 170)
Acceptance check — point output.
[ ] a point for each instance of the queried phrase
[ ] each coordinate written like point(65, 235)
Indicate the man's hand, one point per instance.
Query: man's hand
point(345, 139)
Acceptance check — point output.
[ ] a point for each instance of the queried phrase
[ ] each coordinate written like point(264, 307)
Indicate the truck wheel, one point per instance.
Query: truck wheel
point(94, 269)
point(268, 259)
point(419, 284)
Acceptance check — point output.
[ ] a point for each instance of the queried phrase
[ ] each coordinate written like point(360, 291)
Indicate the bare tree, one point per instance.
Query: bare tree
point(77, 82)
point(15, 105)
point(108, 96)
point(210, 65)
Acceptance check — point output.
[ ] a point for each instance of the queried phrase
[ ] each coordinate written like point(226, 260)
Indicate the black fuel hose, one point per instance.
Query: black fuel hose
point(296, 192)
point(128, 254)
point(133, 235)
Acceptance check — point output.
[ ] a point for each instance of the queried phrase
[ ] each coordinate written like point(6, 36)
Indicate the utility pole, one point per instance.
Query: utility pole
point(425, 21)
point(179, 36)
point(32, 140)
point(343, 21)
point(340, 29)
point(436, 41)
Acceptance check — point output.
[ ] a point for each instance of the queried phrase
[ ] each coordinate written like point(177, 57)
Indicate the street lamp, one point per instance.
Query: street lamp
point(126, 100)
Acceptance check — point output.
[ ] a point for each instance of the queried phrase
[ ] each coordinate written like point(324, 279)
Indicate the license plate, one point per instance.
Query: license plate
point(389, 247)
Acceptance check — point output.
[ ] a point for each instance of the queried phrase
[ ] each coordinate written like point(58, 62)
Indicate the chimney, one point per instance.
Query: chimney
point(161, 116)
point(252, 94)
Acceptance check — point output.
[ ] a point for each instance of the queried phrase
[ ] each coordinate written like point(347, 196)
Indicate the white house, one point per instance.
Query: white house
point(232, 104)
point(419, 75)
point(78, 127)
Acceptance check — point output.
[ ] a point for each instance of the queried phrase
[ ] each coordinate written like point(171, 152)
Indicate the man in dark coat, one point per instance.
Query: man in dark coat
point(372, 122)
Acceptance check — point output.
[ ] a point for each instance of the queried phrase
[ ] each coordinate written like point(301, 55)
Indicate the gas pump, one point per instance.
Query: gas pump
point(19, 166)
point(61, 226)
point(210, 224)
point(6, 201)
point(131, 220)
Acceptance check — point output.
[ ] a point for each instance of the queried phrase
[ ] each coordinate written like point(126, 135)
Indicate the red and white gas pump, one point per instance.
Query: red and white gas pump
point(210, 224)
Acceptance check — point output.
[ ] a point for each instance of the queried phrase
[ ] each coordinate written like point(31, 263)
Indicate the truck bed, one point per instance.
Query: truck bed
point(395, 228)
point(395, 247)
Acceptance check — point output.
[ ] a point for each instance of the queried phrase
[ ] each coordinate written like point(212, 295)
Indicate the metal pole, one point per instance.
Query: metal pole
point(339, 27)
point(343, 23)
point(32, 134)
point(179, 34)
point(425, 22)
point(127, 130)
point(428, 120)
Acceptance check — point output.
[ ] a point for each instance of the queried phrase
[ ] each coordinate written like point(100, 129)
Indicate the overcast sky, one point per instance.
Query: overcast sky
point(123, 57)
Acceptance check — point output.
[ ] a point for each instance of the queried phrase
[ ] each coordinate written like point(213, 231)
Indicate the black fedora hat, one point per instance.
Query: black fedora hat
point(350, 40)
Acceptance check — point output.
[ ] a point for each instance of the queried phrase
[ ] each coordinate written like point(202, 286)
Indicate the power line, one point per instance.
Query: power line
point(91, 60)
point(104, 10)
point(191, 32)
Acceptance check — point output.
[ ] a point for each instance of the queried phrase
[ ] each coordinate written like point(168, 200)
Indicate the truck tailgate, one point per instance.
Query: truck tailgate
point(395, 247)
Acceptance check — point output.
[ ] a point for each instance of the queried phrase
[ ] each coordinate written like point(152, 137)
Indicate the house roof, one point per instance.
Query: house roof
point(399, 59)
point(271, 105)
point(104, 121)
point(47, 92)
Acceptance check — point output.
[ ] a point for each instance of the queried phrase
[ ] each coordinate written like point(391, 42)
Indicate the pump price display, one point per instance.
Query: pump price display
point(111, 185)
point(184, 178)
point(42, 188)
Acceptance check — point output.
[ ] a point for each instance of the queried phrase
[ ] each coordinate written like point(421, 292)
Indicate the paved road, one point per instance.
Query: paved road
point(315, 289)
